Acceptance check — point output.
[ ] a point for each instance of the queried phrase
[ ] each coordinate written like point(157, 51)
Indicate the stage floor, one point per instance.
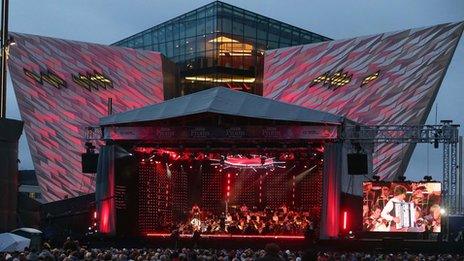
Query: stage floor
point(226, 236)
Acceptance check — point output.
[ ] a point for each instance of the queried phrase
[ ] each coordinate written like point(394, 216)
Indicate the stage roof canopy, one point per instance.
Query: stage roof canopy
point(221, 100)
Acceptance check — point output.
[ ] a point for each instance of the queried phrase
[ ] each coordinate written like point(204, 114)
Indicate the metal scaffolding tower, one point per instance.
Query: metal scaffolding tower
point(445, 133)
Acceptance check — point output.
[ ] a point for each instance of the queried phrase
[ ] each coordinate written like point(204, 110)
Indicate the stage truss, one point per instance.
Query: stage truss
point(445, 133)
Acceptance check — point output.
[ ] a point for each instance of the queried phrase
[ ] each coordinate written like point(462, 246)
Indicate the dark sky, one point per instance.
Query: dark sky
point(106, 21)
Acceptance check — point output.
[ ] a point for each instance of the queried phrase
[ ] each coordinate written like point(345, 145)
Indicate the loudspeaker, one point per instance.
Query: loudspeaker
point(357, 164)
point(89, 162)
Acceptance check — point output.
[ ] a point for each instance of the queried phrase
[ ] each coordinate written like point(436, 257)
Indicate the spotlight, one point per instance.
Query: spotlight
point(222, 160)
point(376, 178)
point(165, 157)
point(351, 235)
point(442, 211)
point(11, 41)
point(435, 142)
point(428, 178)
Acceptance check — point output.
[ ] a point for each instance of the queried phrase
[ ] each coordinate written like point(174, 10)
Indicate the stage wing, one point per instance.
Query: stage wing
point(390, 78)
point(63, 86)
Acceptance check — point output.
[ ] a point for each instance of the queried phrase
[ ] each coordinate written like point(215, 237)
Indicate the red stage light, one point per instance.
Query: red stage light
point(345, 219)
point(95, 215)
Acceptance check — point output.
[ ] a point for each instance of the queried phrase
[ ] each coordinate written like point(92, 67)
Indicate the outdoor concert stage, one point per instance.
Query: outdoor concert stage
point(227, 164)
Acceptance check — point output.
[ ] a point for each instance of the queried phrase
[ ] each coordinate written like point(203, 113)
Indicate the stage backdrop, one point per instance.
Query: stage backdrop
point(63, 86)
point(390, 78)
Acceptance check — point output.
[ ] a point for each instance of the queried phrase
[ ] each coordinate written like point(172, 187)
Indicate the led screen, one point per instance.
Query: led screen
point(402, 206)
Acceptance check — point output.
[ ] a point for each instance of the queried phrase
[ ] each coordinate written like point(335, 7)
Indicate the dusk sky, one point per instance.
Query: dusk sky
point(107, 21)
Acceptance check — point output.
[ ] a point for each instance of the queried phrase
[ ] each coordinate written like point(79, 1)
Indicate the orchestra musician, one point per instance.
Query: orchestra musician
point(375, 222)
point(382, 200)
point(388, 212)
point(434, 219)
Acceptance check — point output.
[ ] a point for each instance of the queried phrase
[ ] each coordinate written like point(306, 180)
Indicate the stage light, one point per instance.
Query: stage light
point(165, 157)
point(351, 235)
point(222, 159)
point(428, 178)
point(345, 217)
point(442, 211)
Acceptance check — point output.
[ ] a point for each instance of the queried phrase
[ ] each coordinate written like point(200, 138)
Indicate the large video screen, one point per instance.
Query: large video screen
point(402, 206)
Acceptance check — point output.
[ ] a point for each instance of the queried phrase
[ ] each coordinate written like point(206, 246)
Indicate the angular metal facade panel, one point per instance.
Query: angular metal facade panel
point(411, 66)
point(55, 117)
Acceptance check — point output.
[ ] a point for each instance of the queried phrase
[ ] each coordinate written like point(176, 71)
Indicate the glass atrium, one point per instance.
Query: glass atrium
point(219, 45)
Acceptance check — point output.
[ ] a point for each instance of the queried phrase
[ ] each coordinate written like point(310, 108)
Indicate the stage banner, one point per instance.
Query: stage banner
point(216, 133)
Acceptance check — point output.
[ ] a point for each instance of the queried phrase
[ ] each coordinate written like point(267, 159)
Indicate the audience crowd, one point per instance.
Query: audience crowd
point(71, 251)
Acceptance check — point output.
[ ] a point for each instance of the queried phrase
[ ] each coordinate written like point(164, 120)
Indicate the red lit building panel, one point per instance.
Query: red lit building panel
point(390, 78)
point(63, 86)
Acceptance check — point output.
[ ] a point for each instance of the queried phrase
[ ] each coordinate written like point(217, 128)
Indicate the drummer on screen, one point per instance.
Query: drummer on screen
point(388, 212)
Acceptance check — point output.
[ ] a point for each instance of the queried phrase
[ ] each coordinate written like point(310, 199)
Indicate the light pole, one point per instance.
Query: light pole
point(10, 131)
point(4, 45)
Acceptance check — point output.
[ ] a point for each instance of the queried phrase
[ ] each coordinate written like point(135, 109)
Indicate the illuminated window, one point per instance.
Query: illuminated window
point(370, 78)
point(337, 79)
point(221, 79)
point(231, 47)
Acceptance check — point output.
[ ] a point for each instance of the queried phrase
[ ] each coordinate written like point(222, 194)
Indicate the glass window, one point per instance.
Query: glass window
point(138, 43)
point(250, 30)
point(201, 26)
point(272, 45)
point(262, 29)
point(147, 39)
point(201, 41)
point(169, 49)
point(181, 30)
point(175, 31)
point(177, 48)
point(162, 48)
point(285, 35)
point(295, 37)
point(169, 35)
point(161, 36)
point(306, 38)
point(237, 27)
point(154, 36)
point(210, 25)
point(190, 45)
point(210, 10)
point(201, 13)
point(226, 25)
point(190, 28)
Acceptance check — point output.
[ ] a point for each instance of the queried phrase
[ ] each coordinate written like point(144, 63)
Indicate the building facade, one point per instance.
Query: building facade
point(64, 86)
point(219, 44)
